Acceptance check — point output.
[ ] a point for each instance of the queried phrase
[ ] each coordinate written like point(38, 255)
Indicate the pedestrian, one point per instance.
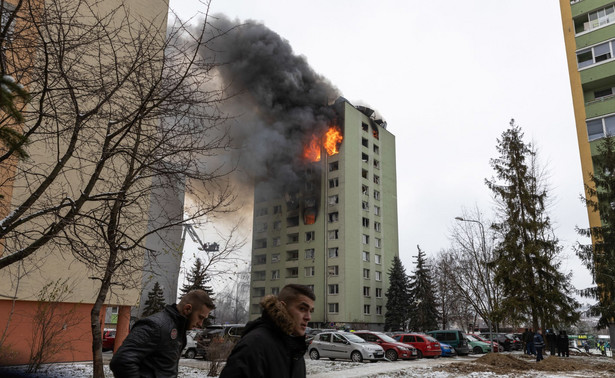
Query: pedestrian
point(538, 344)
point(526, 341)
point(586, 346)
point(273, 346)
point(154, 345)
point(551, 341)
point(563, 347)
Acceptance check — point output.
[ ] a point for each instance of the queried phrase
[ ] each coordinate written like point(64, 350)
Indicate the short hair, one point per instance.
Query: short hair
point(197, 298)
point(290, 292)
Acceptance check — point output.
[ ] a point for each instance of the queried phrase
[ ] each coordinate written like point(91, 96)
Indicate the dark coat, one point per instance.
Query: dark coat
point(153, 346)
point(562, 342)
point(266, 349)
point(538, 341)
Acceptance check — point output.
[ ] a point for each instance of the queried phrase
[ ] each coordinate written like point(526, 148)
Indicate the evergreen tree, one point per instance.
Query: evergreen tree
point(155, 301)
point(423, 309)
point(198, 279)
point(526, 263)
point(599, 257)
point(397, 298)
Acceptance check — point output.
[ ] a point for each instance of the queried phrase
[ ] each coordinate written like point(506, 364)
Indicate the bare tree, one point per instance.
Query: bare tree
point(120, 116)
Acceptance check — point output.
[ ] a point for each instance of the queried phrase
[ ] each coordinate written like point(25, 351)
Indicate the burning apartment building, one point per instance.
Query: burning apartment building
point(335, 227)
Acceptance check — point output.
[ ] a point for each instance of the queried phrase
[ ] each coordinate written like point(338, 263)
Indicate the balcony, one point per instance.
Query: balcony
point(596, 72)
point(601, 106)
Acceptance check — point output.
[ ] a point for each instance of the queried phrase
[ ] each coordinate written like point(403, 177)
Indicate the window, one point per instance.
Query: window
point(365, 256)
point(365, 222)
point(292, 272)
point(378, 292)
point(365, 190)
point(277, 225)
point(364, 126)
point(334, 307)
point(334, 234)
point(595, 54)
point(309, 271)
point(603, 93)
point(378, 310)
point(334, 289)
point(334, 166)
point(276, 242)
point(378, 276)
point(292, 238)
point(260, 243)
point(594, 20)
point(376, 179)
point(364, 157)
point(366, 291)
point(364, 142)
point(365, 205)
point(366, 274)
point(377, 226)
point(376, 164)
point(309, 253)
point(115, 309)
point(334, 217)
point(333, 252)
point(292, 221)
point(364, 173)
point(275, 257)
point(261, 227)
point(275, 274)
point(365, 239)
point(309, 236)
point(376, 195)
point(275, 290)
point(366, 309)
point(260, 259)
point(259, 275)
point(334, 182)
point(334, 270)
point(378, 259)
point(292, 255)
point(378, 242)
point(261, 211)
point(376, 210)
point(598, 128)
point(277, 209)
point(376, 150)
point(333, 200)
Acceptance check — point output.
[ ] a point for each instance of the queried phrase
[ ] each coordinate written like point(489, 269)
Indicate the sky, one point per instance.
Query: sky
point(448, 77)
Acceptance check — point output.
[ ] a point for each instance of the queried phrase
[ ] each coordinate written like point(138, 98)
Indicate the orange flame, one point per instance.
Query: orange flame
point(311, 151)
point(333, 138)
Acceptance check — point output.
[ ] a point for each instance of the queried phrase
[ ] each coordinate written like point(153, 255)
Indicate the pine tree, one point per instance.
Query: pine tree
point(397, 298)
point(198, 279)
point(599, 257)
point(423, 310)
point(155, 301)
point(526, 263)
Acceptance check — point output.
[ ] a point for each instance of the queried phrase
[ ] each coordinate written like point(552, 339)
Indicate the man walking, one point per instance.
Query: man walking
point(273, 345)
point(538, 345)
point(154, 345)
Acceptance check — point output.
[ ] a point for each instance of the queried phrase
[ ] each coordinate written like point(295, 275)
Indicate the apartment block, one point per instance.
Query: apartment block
point(338, 233)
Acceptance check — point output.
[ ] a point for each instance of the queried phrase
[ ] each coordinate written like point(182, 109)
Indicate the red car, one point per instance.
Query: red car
point(494, 347)
point(392, 349)
point(426, 345)
point(108, 339)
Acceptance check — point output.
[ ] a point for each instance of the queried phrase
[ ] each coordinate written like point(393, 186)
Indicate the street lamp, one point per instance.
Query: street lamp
point(484, 250)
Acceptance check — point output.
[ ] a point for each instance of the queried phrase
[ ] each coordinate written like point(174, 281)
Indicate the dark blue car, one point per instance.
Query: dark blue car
point(447, 350)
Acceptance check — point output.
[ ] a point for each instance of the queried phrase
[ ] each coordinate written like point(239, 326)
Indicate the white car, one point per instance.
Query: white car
point(190, 351)
point(344, 345)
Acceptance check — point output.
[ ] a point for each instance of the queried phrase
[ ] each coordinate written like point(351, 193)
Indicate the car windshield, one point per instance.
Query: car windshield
point(386, 339)
point(471, 338)
point(354, 338)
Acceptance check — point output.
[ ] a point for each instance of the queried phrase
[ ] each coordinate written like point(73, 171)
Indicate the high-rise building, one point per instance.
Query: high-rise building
point(338, 232)
point(589, 34)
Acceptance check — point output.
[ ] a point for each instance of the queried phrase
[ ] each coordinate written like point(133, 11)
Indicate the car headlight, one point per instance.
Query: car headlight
point(403, 348)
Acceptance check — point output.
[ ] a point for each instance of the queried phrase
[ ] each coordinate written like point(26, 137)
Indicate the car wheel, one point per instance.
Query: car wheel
point(191, 353)
point(478, 350)
point(332, 359)
point(391, 355)
point(314, 354)
point(356, 356)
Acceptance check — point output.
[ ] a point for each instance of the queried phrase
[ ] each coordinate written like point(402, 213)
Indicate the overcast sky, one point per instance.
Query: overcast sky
point(447, 76)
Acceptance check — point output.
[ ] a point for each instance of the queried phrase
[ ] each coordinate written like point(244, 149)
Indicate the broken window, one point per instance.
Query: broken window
point(375, 131)
point(333, 200)
point(376, 164)
point(376, 179)
point(333, 252)
point(365, 190)
point(376, 150)
point(364, 157)
point(292, 221)
point(334, 183)
point(364, 126)
point(333, 234)
point(309, 215)
point(364, 173)
point(365, 205)
point(333, 217)
point(309, 236)
point(334, 166)
point(364, 142)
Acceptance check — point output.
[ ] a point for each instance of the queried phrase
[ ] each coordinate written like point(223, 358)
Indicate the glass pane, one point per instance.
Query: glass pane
point(585, 58)
point(594, 129)
point(609, 123)
point(602, 49)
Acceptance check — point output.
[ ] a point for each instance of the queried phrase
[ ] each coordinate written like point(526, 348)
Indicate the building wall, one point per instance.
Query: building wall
point(355, 159)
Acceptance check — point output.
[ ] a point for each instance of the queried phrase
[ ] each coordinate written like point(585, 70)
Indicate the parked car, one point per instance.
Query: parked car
point(108, 339)
point(426, 345)
point(454, 338)
point(344, 345)
point(477, 346)
point(393, 349)
point(192, 349)
point(495, 346)
point(447, 350)
point(506, 341)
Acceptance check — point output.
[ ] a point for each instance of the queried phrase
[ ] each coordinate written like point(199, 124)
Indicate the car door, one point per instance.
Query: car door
point(341, 346)
point(325, 346)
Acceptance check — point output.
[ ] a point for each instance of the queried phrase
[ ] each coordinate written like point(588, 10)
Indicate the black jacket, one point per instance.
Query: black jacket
point(153, 346)
point(266, 349)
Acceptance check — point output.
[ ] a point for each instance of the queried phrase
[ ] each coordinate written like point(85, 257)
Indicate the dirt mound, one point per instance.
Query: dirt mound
point(503, 361)
point(553, 363)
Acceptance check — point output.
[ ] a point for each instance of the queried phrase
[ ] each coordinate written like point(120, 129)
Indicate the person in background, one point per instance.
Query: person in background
point(563, 347)
point(538, 345)
point(273, 346)
point(551, 341)
point(154, 345)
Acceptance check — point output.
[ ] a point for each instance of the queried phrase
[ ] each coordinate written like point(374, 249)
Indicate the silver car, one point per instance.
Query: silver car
point(344, 345)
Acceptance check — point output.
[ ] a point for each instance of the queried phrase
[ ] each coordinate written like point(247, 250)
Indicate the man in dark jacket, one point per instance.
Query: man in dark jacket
point(539, 343)
point(273, 345)
point(563, 347)
point(154, 345)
